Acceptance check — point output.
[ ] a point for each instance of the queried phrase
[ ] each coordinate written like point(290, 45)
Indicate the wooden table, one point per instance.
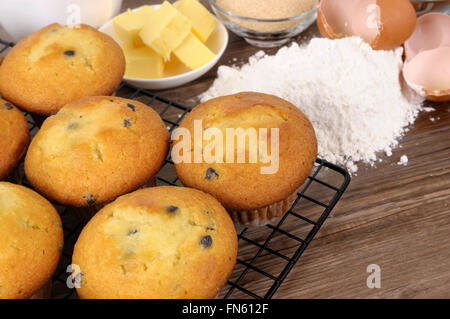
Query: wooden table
point(397, 217)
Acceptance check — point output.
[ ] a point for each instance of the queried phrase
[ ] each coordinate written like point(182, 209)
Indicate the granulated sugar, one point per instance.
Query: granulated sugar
point(351, 93)
point(267, 9)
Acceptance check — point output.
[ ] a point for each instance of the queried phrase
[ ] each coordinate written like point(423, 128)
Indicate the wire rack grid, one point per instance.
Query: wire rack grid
point(266, 254)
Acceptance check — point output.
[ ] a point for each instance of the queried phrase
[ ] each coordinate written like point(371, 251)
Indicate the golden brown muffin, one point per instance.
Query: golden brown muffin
point(14, 137)
point(96, 149)
point(160, 242)
point(85, 213)
point(57, 65)
point(31, 240)
point(251, 196)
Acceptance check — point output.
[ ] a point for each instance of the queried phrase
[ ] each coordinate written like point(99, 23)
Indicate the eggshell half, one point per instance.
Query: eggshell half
point(324, 28)
point(385, 24)
point(432, 31)
point(428, 73)
point(398, 20)
point(338, 19)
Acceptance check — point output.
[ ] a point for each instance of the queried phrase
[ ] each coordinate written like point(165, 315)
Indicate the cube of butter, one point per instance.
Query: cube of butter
point(146, 12)
point(175, 66)
point(127, 27)
point(143, 62)
point(166, 31)
point(193, 53)
point(203, 22)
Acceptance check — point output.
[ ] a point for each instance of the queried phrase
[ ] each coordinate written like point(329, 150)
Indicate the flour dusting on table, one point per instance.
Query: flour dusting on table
point(352, 94)
point(403, 160)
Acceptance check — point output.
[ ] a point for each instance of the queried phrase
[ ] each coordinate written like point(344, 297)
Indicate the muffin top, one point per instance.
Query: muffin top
point(14, 137)
point(96, 149)
point(31, 240)
point(59, 64)
point(159, 242)
point(262, 177)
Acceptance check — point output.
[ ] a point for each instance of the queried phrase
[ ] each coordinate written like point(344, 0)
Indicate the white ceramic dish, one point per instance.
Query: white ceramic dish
point(22, 17)
point(217, 43)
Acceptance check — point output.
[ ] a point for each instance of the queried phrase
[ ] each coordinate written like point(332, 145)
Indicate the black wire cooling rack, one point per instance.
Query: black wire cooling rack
point(266, 254)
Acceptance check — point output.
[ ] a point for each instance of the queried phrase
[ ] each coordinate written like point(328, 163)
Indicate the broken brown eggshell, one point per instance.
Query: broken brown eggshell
point(428, 73)
point(427, 51)
point(432, 31)
point(384, 24)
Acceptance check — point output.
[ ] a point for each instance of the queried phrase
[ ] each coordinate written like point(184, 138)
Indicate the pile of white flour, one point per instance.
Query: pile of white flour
point(351, 93)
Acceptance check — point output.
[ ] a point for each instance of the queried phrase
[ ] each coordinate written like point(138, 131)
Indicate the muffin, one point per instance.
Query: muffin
point(14, 137)
point(58, 65)
point(96, 149)
point(31, 240)
point(260, 187)
point(162, 242)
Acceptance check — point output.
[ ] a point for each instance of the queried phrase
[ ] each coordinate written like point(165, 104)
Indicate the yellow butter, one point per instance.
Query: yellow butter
point(174, 67)
point(193, 53)
point(143, 62)
point(166, 31)
point(203, 22)
point(127, 27)
point(146, 12)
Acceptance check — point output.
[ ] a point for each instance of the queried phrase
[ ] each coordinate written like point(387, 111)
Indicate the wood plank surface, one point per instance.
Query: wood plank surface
point(397, 217)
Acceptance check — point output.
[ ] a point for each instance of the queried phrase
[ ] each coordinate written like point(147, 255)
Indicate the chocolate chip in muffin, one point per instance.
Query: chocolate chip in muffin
point(132, 232)
point(127, 122)
point(171, 209)
point(206, 241)
point(69, 53)
point(8, 106)
point(131, 106)
point(211, 173)
point(90, 199)
point(73, 126)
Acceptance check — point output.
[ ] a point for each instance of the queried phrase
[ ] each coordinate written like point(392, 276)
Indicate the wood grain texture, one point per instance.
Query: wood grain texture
point(395, 216)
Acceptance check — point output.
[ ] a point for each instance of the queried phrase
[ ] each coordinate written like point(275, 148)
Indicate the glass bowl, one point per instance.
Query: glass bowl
point(265, 33)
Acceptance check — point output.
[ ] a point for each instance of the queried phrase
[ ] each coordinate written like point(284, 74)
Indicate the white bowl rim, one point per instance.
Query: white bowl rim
point(186, 74)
